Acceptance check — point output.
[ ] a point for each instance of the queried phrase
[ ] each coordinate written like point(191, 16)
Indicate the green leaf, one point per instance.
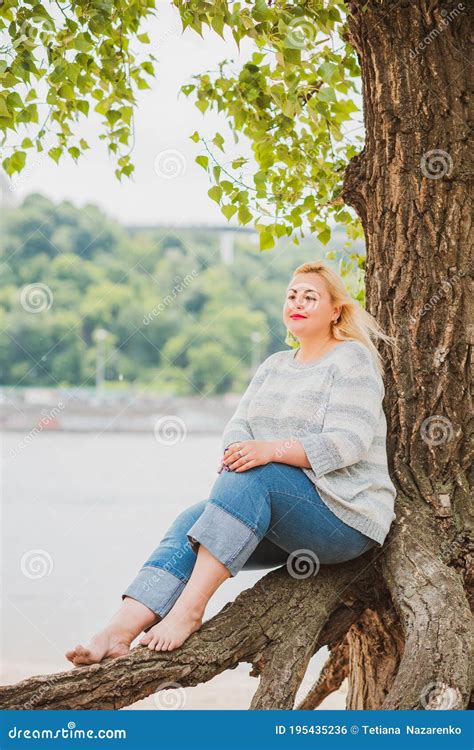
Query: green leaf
point(195, 136)
point(217, 23)
point(202, 105)
point(244, 215)
point(215, 193)
point(148, 67)
point(4, 111)
point(292, 55)
point(327, 71)
point(327, 94)
point(83, 43)
point(324, 236)
point(66, 91)
point(203, 161)
point(261, 11)
point(14, 101)
point(17, 161)
point(6, 164)
point(267, 240)
point(229, 211)
point(218, 141)
point(55, 154)
point(83, 106)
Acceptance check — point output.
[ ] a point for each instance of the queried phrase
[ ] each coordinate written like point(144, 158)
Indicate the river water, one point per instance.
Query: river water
point(80, 514)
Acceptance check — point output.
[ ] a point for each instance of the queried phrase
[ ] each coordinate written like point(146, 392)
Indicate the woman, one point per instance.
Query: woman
point(304, 472)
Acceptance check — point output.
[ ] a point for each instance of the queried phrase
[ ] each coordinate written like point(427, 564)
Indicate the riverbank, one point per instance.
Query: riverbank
point(32, 410)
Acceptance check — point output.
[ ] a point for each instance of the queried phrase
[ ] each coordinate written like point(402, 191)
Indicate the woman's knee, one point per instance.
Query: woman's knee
point(175, 536)
point(185, 519)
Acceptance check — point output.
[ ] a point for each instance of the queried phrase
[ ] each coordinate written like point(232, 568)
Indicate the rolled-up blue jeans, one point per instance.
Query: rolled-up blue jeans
point(253, 519)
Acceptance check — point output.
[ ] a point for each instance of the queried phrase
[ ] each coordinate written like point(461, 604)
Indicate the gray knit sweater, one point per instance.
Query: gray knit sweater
point(333, 407)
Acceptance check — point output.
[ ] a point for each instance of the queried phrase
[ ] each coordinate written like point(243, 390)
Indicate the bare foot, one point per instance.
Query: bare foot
point(108, 642)
point(172, 630)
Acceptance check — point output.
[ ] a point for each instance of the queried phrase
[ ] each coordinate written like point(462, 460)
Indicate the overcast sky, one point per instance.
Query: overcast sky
point(164, 121)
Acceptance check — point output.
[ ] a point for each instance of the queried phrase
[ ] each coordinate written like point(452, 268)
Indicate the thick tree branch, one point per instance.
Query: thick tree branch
point(255, 628)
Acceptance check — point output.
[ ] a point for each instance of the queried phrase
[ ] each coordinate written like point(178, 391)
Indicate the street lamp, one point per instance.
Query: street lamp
point(100, 335)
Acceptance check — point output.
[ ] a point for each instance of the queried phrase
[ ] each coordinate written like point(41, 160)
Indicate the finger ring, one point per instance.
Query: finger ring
point(240, 453)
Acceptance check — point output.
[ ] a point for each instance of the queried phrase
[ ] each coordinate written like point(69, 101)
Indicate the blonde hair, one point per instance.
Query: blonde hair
point(353, 322)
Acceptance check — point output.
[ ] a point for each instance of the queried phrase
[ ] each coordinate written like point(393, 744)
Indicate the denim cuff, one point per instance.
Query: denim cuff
point(225, 536)
point(156, 588)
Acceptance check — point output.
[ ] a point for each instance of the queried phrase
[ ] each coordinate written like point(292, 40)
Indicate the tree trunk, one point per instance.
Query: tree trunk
point(397, 621)
point(410, 188)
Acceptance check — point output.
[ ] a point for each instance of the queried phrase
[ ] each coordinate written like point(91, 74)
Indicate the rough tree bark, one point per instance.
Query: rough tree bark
point(397, 621)
point(410, 188)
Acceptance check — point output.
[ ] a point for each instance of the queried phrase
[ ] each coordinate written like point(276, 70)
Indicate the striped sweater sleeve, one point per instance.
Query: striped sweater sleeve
point(350, 421)
point(238, 427)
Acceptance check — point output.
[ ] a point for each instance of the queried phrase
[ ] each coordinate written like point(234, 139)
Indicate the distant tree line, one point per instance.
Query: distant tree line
point(178, 316)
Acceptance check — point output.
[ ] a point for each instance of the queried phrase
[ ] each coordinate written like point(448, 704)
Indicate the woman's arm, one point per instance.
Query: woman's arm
point(350, 421)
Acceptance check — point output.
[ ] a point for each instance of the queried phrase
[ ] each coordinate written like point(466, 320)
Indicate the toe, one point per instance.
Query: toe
point(145, 640)
point(83, 655)
point(81, 660)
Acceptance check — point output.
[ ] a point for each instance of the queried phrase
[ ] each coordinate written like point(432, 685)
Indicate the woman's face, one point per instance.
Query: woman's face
point(308, 309)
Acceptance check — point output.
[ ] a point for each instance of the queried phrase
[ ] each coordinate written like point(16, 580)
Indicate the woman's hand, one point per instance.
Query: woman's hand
point(248, 453)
